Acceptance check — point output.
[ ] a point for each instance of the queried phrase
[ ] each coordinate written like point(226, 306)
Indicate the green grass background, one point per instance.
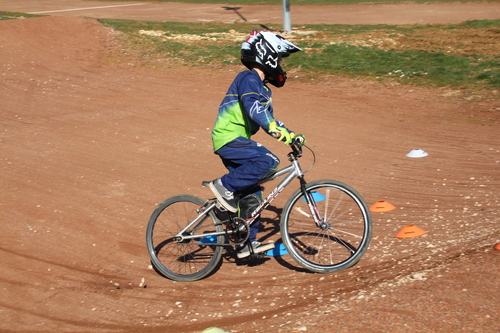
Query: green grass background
point(421, 67)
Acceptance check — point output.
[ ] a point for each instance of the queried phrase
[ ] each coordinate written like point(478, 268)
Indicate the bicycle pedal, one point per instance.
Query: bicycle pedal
point(257, 255)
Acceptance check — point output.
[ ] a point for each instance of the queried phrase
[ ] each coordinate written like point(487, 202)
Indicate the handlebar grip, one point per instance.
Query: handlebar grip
point(299, 139)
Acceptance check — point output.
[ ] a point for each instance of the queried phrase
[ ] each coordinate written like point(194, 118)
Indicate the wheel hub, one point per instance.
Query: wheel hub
point(182, 240)
point(325, 225)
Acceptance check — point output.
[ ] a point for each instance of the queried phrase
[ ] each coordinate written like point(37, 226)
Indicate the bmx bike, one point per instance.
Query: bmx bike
point(325, 226)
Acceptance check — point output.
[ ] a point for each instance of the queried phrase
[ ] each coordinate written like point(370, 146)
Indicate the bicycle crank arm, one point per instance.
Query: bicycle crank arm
point(208, 238)
point(182, 238)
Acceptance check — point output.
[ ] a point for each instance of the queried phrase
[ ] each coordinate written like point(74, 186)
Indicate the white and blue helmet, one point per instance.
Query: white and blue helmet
point(265, 49)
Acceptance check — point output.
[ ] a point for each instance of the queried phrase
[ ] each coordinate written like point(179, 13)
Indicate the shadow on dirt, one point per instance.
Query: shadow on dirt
point(235, 9)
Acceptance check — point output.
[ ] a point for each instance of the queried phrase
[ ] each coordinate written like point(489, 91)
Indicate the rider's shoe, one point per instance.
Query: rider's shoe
point(257, 248)
point(225, 197)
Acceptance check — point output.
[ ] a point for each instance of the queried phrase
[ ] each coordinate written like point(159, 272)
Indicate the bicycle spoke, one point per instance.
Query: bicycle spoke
point(341, 237)
point(347, 233)
point(182, 260)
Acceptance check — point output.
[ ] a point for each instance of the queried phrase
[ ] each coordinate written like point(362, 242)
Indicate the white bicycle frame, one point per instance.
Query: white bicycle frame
point(292, 171)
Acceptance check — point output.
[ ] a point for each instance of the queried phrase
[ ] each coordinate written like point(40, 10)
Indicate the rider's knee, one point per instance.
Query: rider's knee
point(273, 161)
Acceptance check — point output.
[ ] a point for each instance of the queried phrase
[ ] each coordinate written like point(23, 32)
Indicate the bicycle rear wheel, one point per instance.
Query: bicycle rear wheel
point(187, 260)
point(343, 235)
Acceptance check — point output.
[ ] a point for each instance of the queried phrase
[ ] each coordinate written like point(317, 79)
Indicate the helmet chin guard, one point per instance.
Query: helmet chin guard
point(265, 50)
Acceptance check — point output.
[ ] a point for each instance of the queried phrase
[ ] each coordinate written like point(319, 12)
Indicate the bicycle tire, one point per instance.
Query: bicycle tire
point(182, 261)
point(341, 241)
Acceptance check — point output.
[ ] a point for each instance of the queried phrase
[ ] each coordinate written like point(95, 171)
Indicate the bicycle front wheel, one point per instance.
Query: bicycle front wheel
point(343, 234)
point(183, 260)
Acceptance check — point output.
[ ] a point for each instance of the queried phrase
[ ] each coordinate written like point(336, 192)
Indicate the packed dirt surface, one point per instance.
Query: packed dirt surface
point(92, 142)
point(455, 12)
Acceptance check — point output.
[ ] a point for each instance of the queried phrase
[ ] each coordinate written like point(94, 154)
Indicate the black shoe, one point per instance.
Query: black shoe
point(225, 197)
point(257, 248)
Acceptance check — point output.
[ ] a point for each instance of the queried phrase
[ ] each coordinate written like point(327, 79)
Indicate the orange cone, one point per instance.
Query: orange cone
point(410, 231)
point(382, 206)
point(497, 247)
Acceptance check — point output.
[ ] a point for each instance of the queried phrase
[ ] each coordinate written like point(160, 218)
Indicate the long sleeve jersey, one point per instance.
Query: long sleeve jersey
point(246, 107)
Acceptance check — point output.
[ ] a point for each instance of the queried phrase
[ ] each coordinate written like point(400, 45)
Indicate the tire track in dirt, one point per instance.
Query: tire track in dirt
point(92, 143)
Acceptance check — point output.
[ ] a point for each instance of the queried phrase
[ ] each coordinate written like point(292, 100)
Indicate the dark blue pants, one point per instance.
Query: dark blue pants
point(248, 162)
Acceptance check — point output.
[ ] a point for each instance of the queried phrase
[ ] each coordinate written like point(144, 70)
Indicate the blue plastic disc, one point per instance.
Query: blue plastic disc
point(208, 240)
point(316, 196)
point(279, 250)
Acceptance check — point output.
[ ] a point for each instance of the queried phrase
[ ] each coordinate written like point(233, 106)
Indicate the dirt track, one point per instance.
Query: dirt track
point(90, 145)
point(171, 11)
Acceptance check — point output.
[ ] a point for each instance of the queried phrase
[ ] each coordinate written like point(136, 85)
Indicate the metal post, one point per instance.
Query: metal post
point(287, 24)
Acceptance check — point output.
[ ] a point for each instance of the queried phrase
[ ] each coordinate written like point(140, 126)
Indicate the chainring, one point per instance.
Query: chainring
point(237, 230)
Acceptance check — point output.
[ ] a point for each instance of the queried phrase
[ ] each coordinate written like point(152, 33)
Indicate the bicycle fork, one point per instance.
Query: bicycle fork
point(311, 203)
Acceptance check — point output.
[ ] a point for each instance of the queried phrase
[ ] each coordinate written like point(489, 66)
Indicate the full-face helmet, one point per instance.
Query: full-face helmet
point(265, 49)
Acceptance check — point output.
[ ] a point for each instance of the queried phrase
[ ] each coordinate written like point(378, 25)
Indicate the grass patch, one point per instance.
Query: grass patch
point(15, 15)
point(189, 44)
point(415, 67)
point(461, 55)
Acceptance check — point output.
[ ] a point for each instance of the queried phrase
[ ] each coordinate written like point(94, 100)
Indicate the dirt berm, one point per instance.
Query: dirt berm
point(92, 143)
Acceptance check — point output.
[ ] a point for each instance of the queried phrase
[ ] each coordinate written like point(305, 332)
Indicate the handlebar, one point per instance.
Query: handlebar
point(297, 144)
